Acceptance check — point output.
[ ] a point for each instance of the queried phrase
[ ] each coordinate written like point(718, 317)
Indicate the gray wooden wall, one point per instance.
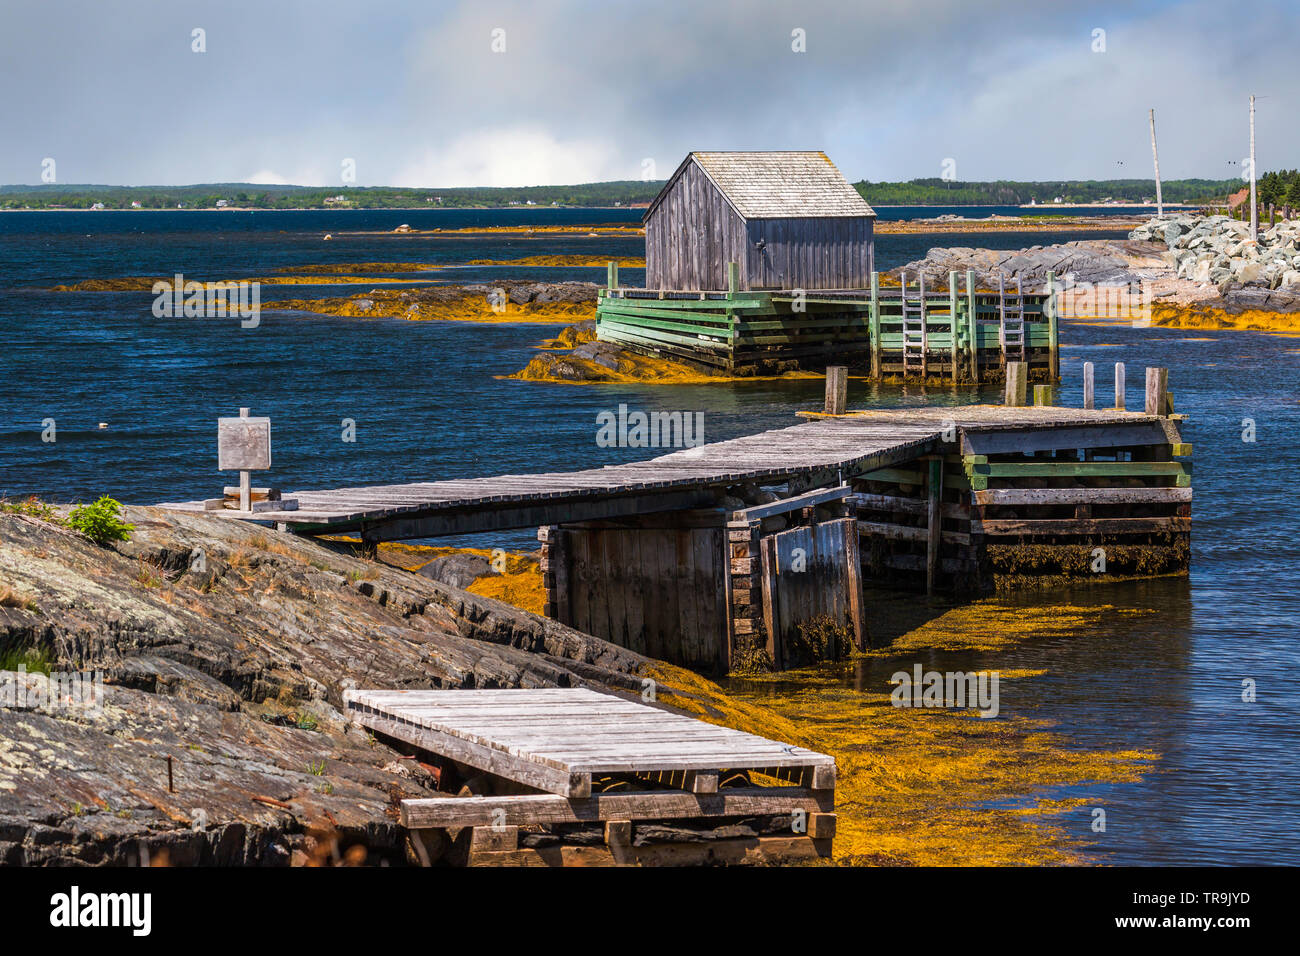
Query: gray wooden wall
point(692, 235)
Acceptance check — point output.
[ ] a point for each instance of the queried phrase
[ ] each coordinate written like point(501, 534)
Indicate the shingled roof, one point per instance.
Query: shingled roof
point(777, 184)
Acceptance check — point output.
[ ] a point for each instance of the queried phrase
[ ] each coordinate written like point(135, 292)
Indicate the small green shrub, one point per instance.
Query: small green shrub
point(31, 506)
point(100, 522)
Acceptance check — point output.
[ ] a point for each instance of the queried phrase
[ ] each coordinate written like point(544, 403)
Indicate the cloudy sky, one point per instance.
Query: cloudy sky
point(523, 92)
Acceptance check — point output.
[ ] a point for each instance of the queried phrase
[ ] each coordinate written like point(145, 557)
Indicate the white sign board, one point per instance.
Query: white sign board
point(243, 444)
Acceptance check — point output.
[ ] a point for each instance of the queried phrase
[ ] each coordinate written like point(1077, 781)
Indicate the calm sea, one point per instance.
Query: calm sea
point(428, 404)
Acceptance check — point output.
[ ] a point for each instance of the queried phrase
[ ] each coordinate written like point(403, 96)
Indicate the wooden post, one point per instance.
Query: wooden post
point(1053, 334)
point(952, 314)
point(972, 321)
point(1157, 385)
point(611, 277)
point(875, 326)
point(1088, 379)
point(733, 278)
point(935, 523)
point(245, 485)
point(1119, 386)
point(925, 329)
point(1042, 395)
point(1017, 383)
point(837, 389)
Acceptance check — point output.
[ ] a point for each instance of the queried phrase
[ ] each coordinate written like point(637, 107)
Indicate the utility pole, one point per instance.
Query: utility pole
point(1254, 210)
point(1155, 157)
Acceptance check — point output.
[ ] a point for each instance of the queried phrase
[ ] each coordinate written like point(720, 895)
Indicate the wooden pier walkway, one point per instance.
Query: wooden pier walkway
point(813, 454)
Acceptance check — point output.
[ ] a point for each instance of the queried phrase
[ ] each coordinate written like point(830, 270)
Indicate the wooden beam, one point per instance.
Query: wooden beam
point(1080, 525)
point(729, 852)
point(1082, 496)
point(1119, 386)
point(1102, 435)
point(1088, 376)
point(1077, 469)
point(795, 503)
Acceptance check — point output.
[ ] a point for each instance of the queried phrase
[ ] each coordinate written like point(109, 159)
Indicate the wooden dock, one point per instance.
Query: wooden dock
point(660, 788)
point(805, 456)
point(754, 552)
point(955, 334)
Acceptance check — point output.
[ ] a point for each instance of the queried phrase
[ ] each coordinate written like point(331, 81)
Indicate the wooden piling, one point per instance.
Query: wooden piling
point(611, 276)
point(1088, 379)
point(1157, 385)
point(1042, 395)
point(733, 278)
point(1017, 383)
point(952, 314)
point(973, 322)
point(934, 518)
point(1053, 333)
point(1119, 386)
point(875, 326)
point(837, 389)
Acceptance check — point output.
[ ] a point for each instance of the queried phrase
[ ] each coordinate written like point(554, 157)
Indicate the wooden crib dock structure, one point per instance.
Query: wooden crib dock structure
point(576, 776)
point(957, 334)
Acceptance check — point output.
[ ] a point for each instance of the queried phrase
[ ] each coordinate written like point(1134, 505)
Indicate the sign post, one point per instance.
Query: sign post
point(244, 445)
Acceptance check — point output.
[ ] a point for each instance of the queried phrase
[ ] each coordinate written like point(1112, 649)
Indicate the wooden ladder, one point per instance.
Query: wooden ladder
point(914, 335)
point(1011, 322)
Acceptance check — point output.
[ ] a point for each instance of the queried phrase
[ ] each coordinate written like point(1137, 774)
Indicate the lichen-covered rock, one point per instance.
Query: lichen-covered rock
point(226, 647)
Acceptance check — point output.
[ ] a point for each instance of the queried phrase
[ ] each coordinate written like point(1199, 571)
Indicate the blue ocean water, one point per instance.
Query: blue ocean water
point(428, 404)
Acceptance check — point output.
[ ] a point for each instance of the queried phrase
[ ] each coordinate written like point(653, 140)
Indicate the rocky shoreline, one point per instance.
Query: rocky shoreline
point(225, 649)
point(1209, 278)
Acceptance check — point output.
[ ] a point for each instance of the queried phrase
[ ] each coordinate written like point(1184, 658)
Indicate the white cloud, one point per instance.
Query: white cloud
point(513, 156)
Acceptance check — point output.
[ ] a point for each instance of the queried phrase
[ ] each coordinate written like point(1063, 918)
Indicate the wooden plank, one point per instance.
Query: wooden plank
point(728, 852)
point(483, 758)
point(1080, 469)
point(1077, 496)
point(1005, 526)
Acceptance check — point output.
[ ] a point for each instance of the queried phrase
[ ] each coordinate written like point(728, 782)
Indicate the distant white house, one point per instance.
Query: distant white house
point(222, 204)
point(334, 200)
point(135, 204)
point(98, 205)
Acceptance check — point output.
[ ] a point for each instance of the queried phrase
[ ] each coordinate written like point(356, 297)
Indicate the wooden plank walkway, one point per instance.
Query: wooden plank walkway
point(556, 739)
point(815, 453)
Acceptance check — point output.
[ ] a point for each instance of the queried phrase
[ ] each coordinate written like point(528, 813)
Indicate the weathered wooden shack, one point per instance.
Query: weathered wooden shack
point(764, 262)
point(788, 219)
